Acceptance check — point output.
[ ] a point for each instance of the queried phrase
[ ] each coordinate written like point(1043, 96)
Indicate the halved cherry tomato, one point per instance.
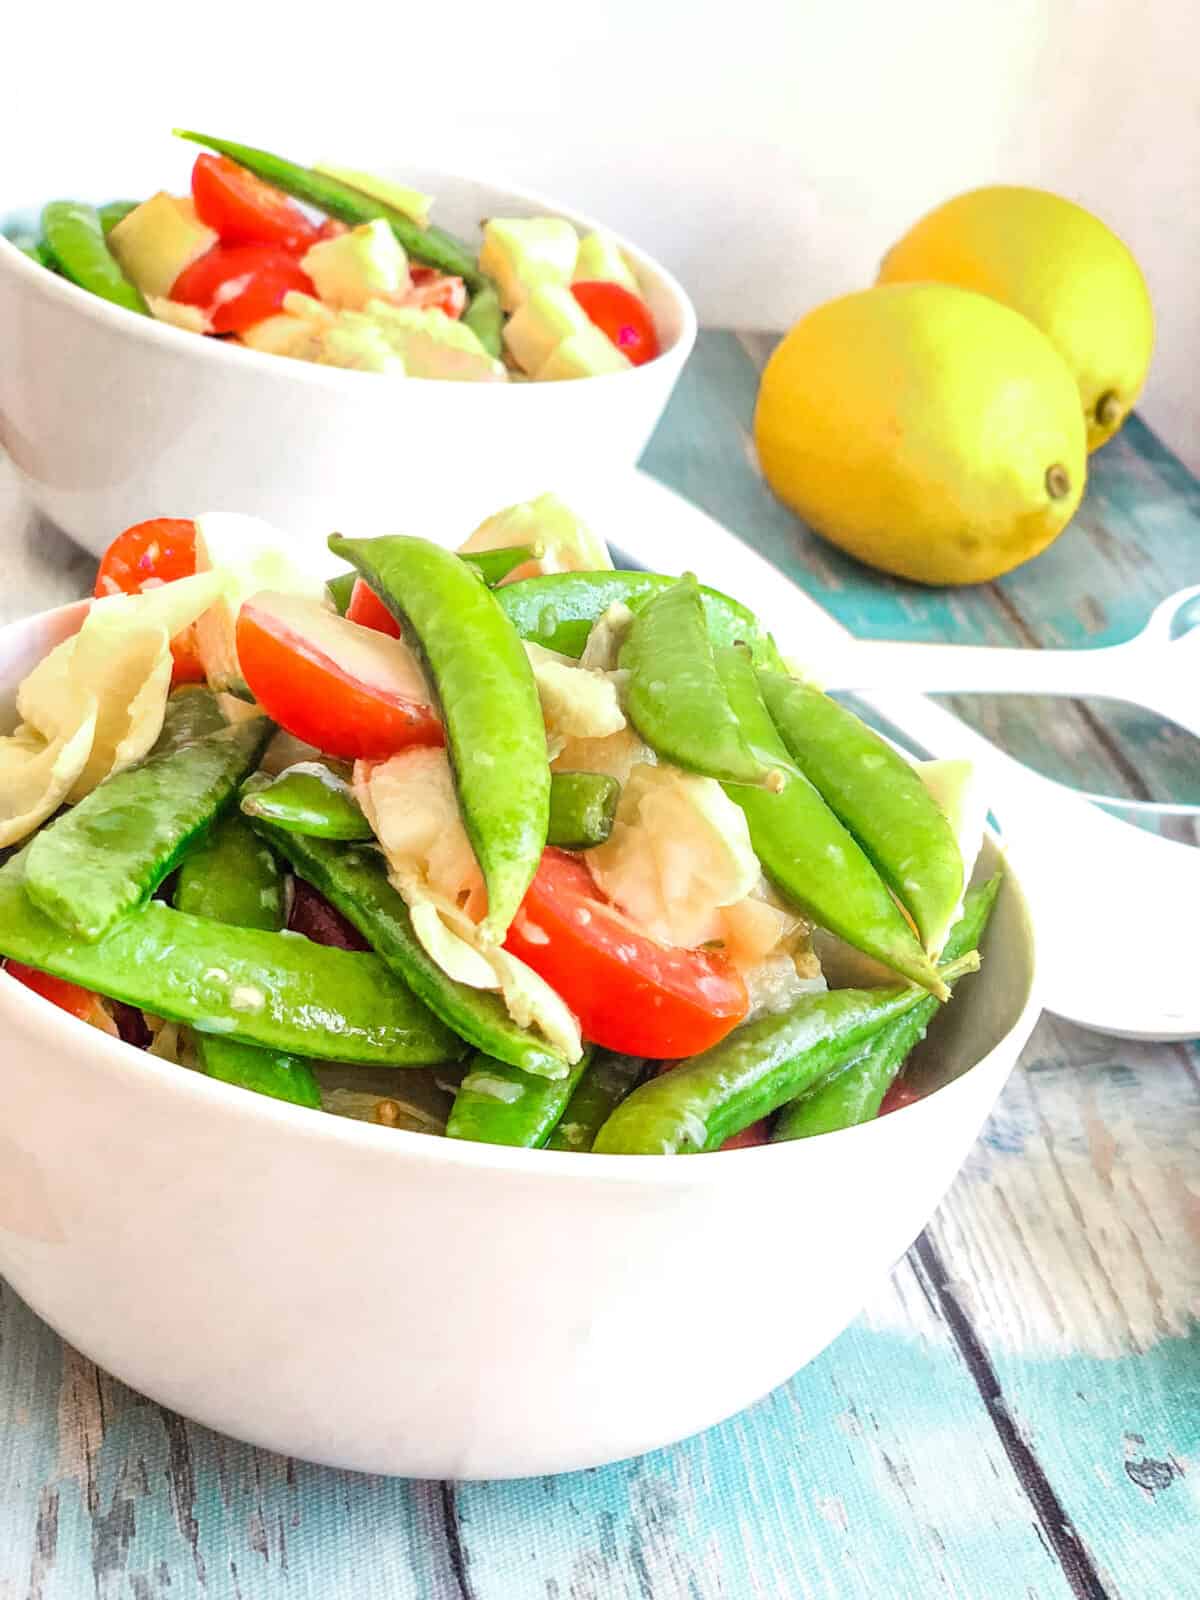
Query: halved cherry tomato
point(344, 688)
point(66, 996)
point(629, 992)
point(756, 1133)
point(434, 291)
point(245, 210)
point(900, 1094)
point(154, 552)
point(332, 228)
point(239, 285)
point(622, 315)
point(369, 611)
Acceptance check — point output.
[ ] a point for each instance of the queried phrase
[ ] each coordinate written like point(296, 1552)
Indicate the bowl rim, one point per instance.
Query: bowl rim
point(150, 329)
point(66, 1035)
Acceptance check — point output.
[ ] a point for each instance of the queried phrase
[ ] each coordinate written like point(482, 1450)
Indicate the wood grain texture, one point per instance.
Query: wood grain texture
point(1015, 1414)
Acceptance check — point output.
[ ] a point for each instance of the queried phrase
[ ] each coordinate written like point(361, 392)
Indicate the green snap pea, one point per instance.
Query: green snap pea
point(493, 719)
point(492, 566)
point(605, 1082)
point(309, 798)
point(30, 245)
point(233, 877)
point(75, 241)
point(355, 881)
point(110, 852)
point(499, 1104)
point(485, 318)
point(675, 697)
point(340, 589)
point(856, 1093)
point(270, 989)
point(879, 797)
point(759, 1067)
point(115, 211)
point(559, 609)
point(582, 808)
point(191, 713)
point(432, 246)
point(807, 852)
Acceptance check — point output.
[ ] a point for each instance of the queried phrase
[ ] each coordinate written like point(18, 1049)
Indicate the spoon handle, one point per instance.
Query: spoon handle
point(1107, 670)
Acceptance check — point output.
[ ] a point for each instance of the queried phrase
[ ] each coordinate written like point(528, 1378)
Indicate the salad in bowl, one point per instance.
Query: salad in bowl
point(503, 845)
point(356, 276)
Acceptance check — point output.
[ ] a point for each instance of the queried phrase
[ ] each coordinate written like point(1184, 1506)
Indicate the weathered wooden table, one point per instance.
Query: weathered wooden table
point(1016, 1413)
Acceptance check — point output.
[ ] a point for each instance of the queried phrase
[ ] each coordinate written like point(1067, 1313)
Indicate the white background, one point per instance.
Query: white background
point(768, 151)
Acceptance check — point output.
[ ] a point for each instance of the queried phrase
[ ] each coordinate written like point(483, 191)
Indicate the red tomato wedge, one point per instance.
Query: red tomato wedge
point(150, 553)
point(623, 316)
point(245, 210)
point(66, 996)
point(239, 285)
point(433, 290)
point(755, 1134)
point(347, 689)
point(369, 611)
point(629, 992)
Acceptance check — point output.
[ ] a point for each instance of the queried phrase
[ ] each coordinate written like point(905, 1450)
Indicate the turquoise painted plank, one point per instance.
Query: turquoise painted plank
point(103, 1492)
point(874, 1472)
point(1124, 553)
point(1072, 1234)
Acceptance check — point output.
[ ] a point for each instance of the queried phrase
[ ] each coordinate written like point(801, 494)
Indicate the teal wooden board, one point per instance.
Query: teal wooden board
point(1015, 1415)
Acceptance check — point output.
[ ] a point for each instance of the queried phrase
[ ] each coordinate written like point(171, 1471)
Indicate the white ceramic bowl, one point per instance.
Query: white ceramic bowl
point(111, 418)
point(400, 1303)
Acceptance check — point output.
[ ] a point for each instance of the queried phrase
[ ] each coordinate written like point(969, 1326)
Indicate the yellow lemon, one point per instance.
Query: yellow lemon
point(925, 429)
point(1058, 265)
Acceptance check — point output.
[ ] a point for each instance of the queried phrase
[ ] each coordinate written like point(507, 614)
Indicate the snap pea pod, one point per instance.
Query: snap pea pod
point(110, 852)
point(605, 1082)
point(74, 238)
point(856, 1093)
point(233, 877)
point(879, 797)
point(582, 808)
point(191, 713)
point(30, 245)
point(312, 799)
point(485, 318)
point(558, 610)
point(309, 798)
point(492, 566)
point(355, 882)
point(432, 246)
point(675, 697)
point(499, 1104)
point(268, 989)
point(807, 852)
point(115, 211)
point(490, 708)
point(757, 1068)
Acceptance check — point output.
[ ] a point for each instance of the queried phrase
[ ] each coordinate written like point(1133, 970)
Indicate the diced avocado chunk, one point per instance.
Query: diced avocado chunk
point(600, 261)
point(411, 202)
point(550, 526)
point(157, 240)
point(521, 252)
point(354, 267)
point(550, 315)
point(251, 555)
point(589, 354)
point(433, 345)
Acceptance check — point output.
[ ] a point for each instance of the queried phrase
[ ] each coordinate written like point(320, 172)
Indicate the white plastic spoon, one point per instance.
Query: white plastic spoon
point(1159, 668)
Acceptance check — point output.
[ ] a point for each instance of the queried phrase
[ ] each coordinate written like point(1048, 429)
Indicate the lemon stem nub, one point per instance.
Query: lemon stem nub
point(1058, 482)
point(1108, 409)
